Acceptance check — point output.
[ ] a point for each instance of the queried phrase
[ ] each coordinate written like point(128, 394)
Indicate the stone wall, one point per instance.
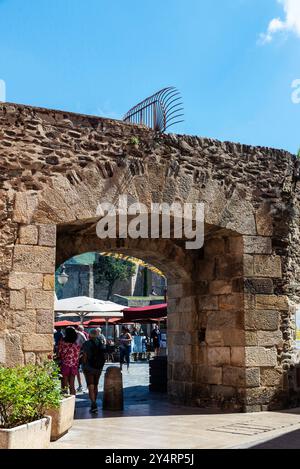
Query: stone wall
point(231, 320)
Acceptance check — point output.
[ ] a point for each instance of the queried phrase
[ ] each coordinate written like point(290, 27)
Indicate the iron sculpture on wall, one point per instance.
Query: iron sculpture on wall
point(159, 111)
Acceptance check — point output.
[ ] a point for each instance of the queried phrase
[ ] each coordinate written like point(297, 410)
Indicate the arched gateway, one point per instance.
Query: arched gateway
point(231, 319)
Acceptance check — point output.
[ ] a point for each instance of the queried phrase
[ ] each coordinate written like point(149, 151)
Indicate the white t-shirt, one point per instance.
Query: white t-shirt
point(80, 338)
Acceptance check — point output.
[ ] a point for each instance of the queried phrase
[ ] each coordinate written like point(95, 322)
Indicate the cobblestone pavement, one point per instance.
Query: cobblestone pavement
point(150, 421)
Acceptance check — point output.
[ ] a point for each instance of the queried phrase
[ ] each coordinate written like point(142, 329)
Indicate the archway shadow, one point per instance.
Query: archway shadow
point(139, 401)
point(289, 440)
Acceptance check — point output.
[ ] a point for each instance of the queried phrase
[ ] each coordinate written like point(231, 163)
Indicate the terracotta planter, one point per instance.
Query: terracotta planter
point(34, 435)
point(62, 418)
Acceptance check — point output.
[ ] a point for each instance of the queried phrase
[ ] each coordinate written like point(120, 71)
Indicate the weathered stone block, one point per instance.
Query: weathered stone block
point(269, 339)
point(233, 302)
point(264, 221)
point(248, 265)
point(38, 343)
point(208, 303)
point(220, 287)
point(49, 282)
point(14, 352)
point(252, 409)
point(219, 320)
point(209, 375)
point(236, 245)
point(228, 267)
point(25, 204)
point(28, 234)
point(214, 338)
point(271, 377)
point(35, 259)
point(39, 299)
point(17, 299)
point(226, 392)
point(272, 302)
point(2, 351)
point(47, 235)
point(252, 377)
point(262, 320)
point(233, 376)
point(251, 338)
point(237, 356)
point(260, 356)
point(24, 321)
point(267, 266)
point(20, 280)
point(257, 245)
point(233, 337)
point(260, 396)
point(218, 356)
point(30, 358)
point(44, 321)
point(255, 286)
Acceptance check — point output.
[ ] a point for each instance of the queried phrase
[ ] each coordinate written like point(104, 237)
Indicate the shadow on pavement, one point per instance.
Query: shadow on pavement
point(288, 441)
point(138, 401)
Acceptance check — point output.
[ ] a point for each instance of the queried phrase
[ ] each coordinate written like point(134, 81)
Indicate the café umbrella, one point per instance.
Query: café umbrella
point(84, 307)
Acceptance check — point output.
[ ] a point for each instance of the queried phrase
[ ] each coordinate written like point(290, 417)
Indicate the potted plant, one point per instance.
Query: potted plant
point(25, 394)
point(62, 415)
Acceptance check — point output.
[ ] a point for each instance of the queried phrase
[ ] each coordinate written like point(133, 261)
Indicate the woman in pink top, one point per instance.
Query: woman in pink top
point(68, 354)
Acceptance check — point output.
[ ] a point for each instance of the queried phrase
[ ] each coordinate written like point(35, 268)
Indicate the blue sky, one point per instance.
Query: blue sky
point(102, 57)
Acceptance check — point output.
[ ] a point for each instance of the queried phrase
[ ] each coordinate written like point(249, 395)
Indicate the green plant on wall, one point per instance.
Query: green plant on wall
point(134, 140)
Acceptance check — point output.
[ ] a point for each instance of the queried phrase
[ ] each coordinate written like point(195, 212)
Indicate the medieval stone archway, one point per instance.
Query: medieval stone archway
point(230, 320)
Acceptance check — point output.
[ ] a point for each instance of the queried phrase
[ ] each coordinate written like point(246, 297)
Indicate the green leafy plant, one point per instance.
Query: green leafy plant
point(26, 392)
point(134, 140)
point(298, 154)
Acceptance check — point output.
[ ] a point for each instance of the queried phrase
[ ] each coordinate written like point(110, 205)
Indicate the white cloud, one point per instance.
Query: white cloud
point(291, 22)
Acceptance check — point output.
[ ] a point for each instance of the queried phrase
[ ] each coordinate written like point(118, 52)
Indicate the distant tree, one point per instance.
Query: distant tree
point(108, 269)
point(298, 154)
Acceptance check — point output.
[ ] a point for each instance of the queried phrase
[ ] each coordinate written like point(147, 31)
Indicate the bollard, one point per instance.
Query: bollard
point(113, 389)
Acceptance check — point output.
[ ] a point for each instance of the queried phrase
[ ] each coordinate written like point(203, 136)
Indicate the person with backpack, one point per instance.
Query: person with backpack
point(93, 360)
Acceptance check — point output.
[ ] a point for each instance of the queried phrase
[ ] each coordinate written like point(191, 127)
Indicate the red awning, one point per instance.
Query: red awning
point(146, 312)
point(98, 321)
point(143, 321)
point(66, 324)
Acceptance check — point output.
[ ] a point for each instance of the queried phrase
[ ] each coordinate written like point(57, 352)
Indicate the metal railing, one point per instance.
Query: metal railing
point(159, 111)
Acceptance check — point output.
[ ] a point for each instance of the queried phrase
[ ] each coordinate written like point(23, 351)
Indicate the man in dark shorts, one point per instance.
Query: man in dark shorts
point(93, 359)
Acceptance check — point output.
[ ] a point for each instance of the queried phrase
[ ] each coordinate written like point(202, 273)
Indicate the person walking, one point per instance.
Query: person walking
point(101, 336)
point(68, 355)
point(125, 341)
point(156, 339)
point(93, 360)
point(81, 339)
point(81, 329)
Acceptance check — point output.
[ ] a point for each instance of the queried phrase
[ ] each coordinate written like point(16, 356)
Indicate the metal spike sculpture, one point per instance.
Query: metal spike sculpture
point(159, 111)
